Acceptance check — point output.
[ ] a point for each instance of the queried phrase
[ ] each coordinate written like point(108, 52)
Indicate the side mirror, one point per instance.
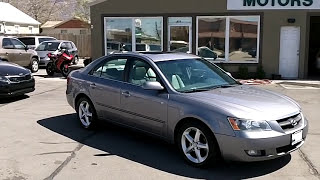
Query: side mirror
point(152, 86)
point(26, 48)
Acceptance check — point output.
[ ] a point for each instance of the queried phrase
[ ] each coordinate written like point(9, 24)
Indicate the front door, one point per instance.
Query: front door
point(147, 109)
point(180, 35)
point(289, 52)
point(21, 55)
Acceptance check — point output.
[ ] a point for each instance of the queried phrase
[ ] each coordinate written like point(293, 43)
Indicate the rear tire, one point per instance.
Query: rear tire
point(34, 65)
point(50, 69)
point(86, 112)
point(197, 144)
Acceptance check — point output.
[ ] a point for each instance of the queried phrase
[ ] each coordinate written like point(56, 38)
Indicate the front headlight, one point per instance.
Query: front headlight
point(3, 79)
point(248, 125)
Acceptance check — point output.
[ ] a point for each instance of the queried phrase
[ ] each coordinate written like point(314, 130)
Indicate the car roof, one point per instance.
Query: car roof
point(37, 37)
point(162, 56)
point(58, 41)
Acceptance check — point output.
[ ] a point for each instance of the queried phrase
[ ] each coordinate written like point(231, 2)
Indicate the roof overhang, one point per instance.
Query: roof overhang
point(94, 2)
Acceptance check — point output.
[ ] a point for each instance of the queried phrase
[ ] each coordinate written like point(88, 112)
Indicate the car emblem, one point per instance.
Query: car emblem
point(293, 122)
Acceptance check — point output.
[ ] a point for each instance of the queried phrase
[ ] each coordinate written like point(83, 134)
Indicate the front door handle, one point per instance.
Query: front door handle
point(126, 94)
point(93, 85)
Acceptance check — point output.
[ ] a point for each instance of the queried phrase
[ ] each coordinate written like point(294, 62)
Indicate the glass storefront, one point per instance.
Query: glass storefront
point(236, 36)
point(230, 39)
point(133, 34)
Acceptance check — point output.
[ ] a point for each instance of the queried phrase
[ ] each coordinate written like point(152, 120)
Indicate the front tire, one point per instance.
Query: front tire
point(197, 144)
point(34, 65)
point(86, 113)
point(65, 70)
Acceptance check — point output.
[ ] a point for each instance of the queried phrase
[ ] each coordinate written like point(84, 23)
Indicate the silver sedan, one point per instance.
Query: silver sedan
point(188, 101)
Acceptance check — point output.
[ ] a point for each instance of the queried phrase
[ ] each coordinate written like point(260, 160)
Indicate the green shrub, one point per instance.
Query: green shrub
point(243, 72)
point(260, 73)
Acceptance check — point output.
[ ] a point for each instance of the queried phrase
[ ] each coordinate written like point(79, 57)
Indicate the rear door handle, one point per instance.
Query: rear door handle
point(126, 94)
point(93, 85)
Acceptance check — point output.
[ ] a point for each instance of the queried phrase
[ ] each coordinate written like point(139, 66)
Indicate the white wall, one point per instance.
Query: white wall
point(10, 28)
point(75, 31)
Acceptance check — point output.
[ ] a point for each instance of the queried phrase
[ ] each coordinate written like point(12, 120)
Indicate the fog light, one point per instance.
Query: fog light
point(254, 153)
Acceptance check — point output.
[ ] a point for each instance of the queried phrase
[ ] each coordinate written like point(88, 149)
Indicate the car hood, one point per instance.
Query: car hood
point(7, 69)
point(43, 54)
point(249, 102)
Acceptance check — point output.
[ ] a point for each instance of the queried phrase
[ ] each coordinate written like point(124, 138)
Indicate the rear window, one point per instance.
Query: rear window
point(48, 46)
point(28, 41)
point(46, 39)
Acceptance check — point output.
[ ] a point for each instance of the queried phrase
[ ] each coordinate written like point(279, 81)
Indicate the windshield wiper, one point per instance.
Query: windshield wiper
point(208, 88)
point(225, 86)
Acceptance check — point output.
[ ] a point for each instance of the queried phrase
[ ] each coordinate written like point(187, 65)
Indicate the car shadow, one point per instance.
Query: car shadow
point(150, 151)
point(7, 100)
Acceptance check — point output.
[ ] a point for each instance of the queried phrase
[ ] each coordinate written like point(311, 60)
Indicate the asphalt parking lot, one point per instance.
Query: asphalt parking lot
point(41, 139)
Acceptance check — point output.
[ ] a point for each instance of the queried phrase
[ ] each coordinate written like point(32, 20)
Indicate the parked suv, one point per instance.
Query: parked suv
point(33, 41)
point(13, 50)
point(47, 47)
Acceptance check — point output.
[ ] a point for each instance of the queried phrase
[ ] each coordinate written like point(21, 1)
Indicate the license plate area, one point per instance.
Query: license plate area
point(296, 137)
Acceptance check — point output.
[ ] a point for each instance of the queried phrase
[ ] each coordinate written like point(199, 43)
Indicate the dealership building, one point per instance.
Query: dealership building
point(279, 35)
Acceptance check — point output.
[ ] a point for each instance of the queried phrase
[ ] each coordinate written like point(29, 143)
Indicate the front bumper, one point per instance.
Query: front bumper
point(16, 89)
point(234, 148)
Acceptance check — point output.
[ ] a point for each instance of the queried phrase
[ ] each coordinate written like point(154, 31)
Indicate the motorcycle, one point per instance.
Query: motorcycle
point(60, 62)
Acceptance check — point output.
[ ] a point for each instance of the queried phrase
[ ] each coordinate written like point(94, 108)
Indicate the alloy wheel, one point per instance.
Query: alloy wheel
point(85, 113)
point(195, 145)
point(35, 66)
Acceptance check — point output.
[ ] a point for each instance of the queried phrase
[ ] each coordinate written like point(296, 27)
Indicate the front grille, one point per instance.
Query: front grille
point(291, 122)
point(20, 78)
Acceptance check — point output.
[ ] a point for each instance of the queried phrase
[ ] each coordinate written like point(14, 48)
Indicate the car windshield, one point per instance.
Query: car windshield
point(48, 46)
point(194, 75)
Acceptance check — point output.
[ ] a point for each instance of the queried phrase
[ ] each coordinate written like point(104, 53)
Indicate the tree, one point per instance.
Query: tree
point(44, 10)
point(82, 10)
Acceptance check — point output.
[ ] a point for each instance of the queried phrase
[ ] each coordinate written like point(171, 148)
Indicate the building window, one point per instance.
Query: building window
point(229, 38)
point(64, 31)
point(30, 29)
point(133, 34)
point(16, 29)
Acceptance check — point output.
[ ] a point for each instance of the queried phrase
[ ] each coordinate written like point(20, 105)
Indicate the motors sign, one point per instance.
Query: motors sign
point(272, 4)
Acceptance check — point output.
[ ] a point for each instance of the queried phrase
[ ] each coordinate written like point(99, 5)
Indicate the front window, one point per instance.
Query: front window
point(48, 46)
point(191, 75)
point(141, 72)
point(17, 44)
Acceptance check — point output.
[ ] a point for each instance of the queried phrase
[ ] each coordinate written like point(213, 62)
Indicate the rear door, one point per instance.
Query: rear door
point(105, 84)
